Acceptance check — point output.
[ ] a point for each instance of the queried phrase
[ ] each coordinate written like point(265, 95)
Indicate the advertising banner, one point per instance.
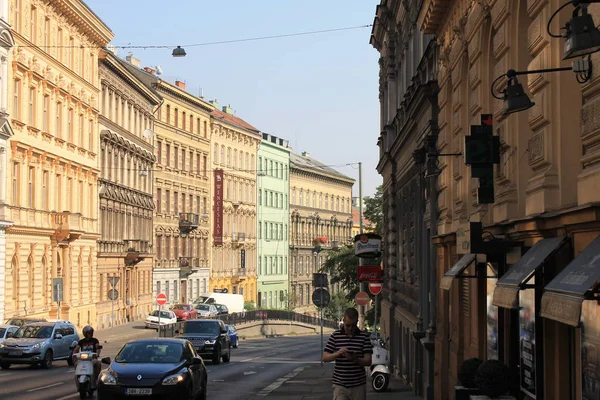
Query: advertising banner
point(369, 273)
point(492, 317)
point(590, 348)
point(218, 209)
point(527, 338)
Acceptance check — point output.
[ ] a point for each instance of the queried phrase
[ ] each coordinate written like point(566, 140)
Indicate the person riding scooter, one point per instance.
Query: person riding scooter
point(90, 343)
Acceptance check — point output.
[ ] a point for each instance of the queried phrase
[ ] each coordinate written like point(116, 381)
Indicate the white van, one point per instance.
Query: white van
point(234, 302)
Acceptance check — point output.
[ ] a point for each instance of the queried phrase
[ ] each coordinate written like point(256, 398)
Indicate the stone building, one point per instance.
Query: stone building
point(320, 220)
point(53, 158)
point(126, 193)
point(409, 129)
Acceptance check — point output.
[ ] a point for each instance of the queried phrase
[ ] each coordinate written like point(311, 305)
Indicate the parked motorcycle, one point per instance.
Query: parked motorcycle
point(84, 373)
point(380, 371)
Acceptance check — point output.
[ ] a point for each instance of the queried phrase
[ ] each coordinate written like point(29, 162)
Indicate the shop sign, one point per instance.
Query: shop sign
point(590, 349)
point(527, 339)
point(218, 209)
point(463, 239)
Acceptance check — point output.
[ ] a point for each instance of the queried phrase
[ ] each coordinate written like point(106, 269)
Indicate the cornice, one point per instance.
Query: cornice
point(433, 15)
point(83, 18)
point(312, 174)
point(174, 91)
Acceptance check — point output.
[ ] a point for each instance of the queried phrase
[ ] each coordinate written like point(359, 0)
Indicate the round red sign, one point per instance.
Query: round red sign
point(375, 288)
point(161, 299)
point(361, 298)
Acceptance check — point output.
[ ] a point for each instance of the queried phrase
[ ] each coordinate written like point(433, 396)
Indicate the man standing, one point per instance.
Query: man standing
point(351, 349)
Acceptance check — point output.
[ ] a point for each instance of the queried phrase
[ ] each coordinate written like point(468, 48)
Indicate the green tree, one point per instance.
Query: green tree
point(374, 210)
point(336, 307)
point(341, 266)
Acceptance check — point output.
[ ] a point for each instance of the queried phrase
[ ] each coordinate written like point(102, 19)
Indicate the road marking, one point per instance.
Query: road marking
point(249, 372)
point(71, 396)
point(250, 359)
point(290, 381)
point(267, 390)
point(46, 387)
point(218, 380)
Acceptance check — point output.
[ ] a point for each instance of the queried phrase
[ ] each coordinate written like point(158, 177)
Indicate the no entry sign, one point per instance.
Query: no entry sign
point(375, 288)
point(361, 298)
point(161, 299)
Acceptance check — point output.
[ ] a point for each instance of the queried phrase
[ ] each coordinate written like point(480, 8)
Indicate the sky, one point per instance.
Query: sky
point(318, 91)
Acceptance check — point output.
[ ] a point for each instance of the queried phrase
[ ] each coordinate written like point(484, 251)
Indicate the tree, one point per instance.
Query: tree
point(336, 307)
point(374, 210)
point(341, 266)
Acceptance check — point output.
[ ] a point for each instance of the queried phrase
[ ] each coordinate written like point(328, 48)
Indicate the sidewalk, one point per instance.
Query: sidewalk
point(314, 383)
point(125, 332)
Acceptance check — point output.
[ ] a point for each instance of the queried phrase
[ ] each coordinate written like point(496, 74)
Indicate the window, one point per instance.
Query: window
point(229, 157)
point(31, 106)
point(159, 152)
point(91, 134)
point(168, 155)
point(192, 162)
point(168, 114)
point(70, 124)
point(15, 184)
point(71, 52)
point(59, 188)
point(168, 201)
point(235, 159)
point(198, 125)
point(60, 46)
point(46, 116)
point(33, 26)
point(18, 8)
point(176, 153)
point(81, 133)
point(45, 189)
point(158, 200)
point(204, 162)
point(183, 120)
point(81, 196)
point(176, 202)
point(69, 194)
point(215, 153)
point(16, 97)
point(59, 115)
point(204, 206)
point(176, 117)
point(31, 187)
point(205, 130)
point(192, 123)
point(182, 202)
point(222, 154)
point(183, 160)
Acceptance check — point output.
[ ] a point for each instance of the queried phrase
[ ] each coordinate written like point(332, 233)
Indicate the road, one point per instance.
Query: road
point(257, 367)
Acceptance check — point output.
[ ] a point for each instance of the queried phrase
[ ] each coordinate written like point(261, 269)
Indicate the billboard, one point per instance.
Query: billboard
point(218, 209)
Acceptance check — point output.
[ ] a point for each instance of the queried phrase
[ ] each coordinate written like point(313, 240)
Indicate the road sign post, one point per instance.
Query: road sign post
point(161, 299)
point(57, 293)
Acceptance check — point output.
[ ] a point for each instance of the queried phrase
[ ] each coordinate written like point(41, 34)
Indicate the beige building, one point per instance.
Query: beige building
point(234, 147)
point(320, 220)
point(126, 193)
point(54, 159)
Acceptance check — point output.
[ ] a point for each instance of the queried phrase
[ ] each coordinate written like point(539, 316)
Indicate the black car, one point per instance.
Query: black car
point(157, 368)
point(210, 338)
point(222, 309)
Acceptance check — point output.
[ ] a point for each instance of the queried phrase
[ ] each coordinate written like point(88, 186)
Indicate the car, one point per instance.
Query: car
point(233, 336)
point(20, 321)
point(7, 331)
point(221, 309)
point(207, 310)
point(39, 343)
point(210, 338)
point(167, 368)
point(157, 317)
point(184, 312)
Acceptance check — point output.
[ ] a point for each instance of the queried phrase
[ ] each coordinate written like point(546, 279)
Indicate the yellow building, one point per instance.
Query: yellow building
point(53, 159)
point(234, 145)
point(126, 188)
point(321, 220)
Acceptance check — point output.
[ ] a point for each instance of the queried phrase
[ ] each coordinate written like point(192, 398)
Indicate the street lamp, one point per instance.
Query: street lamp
point(178, 52)
point(582, 37)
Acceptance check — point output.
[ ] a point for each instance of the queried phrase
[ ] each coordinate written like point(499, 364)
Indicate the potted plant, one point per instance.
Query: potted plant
point(493, 378)
point(466, 378)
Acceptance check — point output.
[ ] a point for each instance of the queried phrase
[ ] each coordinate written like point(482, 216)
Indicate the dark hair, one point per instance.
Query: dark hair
point(351, 313)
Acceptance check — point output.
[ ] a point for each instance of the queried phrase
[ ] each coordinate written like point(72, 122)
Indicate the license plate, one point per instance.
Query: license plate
point(138, 392)
point(15, 353)
point(84, 369)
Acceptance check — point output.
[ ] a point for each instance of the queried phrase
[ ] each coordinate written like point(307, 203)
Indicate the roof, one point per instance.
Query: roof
point(311, 165)
point(356, 217)
point(218, 114)
point(146, 78)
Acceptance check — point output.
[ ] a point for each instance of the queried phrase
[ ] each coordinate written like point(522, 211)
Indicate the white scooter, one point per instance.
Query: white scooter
point(84, 373)
point(380, 372)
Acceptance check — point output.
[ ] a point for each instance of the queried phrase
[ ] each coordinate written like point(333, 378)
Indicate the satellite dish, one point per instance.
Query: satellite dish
point(159, 70)
point(148, 133)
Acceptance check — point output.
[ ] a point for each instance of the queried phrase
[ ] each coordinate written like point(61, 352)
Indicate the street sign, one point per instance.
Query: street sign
point(375, 288)
point(367, 245)
point(321, 297)
point(113, 280)
point(161, 299)
point(361, 299)
point(319, 280)
point(113, 294)
point(242, 258)
point(57, 290)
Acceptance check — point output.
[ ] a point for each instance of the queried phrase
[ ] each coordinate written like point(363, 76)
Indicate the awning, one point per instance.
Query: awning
point(507, 289)
point(564, 295)
point(456, 270)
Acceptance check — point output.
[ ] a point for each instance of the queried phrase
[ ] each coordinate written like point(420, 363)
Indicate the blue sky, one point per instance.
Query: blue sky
point(318, 91)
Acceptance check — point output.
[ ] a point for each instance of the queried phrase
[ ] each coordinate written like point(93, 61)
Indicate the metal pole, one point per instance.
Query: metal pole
point(362, 285)
point(375, 317)
point(159, 311)
point(112, 313)
point(59, 296)
point(321, 309)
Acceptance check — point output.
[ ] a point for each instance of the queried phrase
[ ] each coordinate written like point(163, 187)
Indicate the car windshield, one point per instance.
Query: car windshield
point(181, 307)
point(163, 314)
point(201, 327)
point(205, 299)
point(150, 352)
point(34, 331)
point(220, 307)
point(204, 307)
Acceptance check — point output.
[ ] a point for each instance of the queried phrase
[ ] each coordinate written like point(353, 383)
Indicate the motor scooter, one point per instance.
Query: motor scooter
point(84, 373)
point(380, 372)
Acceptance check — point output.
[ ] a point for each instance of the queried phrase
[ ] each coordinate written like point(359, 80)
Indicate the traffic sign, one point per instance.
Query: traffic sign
point(161, 299)
point(113, 294)
point(361, 298)
point(375, 288)
point(321, 297)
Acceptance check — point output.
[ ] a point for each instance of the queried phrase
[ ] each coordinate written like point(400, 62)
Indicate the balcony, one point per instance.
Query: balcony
point(187, 266)
point(188, 222)
point(135, 251)
point(67, 226)
point(238, 237)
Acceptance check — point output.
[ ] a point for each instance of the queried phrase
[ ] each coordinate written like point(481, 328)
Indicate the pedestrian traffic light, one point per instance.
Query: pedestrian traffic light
point(482, 151)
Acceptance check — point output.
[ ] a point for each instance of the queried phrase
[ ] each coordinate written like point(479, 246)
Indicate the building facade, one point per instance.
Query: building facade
point(6, 43)
point(126, 194)
point(273, 218)
point(532, 304)
point(53, 192)
point(234, 147)
point(408, 133)
point(320, 220)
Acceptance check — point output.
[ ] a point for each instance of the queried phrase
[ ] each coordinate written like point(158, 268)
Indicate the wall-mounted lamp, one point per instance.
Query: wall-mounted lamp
point(582, 37)
point(514, 96)
point(178, 52)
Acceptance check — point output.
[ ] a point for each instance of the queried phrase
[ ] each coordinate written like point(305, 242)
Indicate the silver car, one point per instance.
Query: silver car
point(206, 310)
point(7, 331)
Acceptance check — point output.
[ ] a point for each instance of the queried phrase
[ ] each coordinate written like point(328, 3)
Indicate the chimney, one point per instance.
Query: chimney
point(227, 109)
point(150, 70)
point(306, 154)
point(134, 61)
point(180, 84)
point(214, 103)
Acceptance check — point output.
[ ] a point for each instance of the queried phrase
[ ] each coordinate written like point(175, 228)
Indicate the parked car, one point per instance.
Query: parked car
point(210, 337)
point(221, 309)
point(20, 321)
point(166, 317)
point(7, 331)
point(165, 368)
point(39, 343)
point(233, 336)
point(184, 312)
point(206, 310)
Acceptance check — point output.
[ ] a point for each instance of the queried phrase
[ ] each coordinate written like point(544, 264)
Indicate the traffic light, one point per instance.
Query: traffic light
point(482, 151)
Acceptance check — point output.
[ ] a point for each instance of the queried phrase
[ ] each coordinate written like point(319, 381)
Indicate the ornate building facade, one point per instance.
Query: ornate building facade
point(408, 97)
point(53, 156)
point(234, 146)
point(320, 220)
point(126, 193)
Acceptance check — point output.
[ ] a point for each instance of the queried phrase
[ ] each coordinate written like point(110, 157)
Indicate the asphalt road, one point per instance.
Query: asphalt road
point(256, 368)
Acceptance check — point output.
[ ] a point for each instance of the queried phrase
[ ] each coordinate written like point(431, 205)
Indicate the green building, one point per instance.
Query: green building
point(273, 182)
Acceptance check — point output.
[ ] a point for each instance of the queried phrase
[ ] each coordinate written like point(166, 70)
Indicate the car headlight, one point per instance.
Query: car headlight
point(2, 345)
point(173, 379)
point(208, 341)
point(107, 378)
point(36, 346)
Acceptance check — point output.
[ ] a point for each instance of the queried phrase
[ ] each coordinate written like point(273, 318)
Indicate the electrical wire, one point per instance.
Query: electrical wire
point(552, 17)
point(231, 170)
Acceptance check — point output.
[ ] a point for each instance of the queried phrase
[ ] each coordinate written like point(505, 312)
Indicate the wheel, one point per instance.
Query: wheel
point(380, 382)
point(47, 363)
point(237, 342)
point(82, 393)
point(216, 358)
point(203, 392)
point(227, 356)
point(5, 365)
